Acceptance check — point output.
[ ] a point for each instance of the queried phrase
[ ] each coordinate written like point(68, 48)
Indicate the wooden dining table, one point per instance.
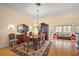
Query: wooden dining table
point(35, 40)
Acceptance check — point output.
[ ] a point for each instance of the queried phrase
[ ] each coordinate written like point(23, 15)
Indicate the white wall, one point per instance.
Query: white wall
point(9, 16)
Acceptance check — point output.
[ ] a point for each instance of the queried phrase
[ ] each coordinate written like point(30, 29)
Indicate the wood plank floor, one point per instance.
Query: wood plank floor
point(7, 52)
point(63, 48)
point(59, 48)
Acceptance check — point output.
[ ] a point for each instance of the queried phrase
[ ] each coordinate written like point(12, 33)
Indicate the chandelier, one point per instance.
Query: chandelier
point(35, 28)
point(37, 13)
point(38, 5)
point(37, 24)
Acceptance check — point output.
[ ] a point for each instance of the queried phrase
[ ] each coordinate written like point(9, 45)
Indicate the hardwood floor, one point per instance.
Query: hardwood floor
point(59, 48)
point(63, 48)
point(7, 52)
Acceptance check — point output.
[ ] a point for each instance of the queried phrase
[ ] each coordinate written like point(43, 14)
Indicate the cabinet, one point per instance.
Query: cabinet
point(44, 29)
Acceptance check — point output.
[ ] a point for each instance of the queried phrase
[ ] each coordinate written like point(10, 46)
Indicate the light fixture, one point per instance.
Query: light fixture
point(11, 27)
point(38, 5)
point(37, 24)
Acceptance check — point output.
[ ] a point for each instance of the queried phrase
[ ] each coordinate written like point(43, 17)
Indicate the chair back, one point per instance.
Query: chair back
point(11, 36)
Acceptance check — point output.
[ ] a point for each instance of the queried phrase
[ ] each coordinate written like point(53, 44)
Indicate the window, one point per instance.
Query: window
point(59, 29)
point(68, 29)
point(77, 29)
point(65, 29)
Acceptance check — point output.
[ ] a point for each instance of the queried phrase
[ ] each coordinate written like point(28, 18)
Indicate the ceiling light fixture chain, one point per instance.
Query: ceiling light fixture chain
point(38, 5)
point(37, 16)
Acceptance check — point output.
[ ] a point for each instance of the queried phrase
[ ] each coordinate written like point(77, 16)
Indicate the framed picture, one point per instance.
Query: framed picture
point(22, 28)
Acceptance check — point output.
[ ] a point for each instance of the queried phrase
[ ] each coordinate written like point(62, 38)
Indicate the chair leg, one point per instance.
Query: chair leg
point(39, 43)
point(28, 46)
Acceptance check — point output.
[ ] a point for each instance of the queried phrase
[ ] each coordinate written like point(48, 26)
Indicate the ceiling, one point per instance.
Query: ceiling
point(46, 9)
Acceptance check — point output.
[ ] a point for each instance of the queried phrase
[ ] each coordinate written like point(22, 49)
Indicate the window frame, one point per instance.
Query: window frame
point(75, 28)
point(62, 28)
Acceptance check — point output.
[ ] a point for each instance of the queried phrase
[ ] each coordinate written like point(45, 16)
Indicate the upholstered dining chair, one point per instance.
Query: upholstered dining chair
point(12, 39)
point(41, 39)
point(11, 36)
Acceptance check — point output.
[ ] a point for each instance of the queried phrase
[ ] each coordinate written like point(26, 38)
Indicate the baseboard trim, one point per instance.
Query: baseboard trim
point(4, 45)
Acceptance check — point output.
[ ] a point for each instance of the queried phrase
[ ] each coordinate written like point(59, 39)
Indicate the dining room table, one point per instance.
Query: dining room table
point(35, 40)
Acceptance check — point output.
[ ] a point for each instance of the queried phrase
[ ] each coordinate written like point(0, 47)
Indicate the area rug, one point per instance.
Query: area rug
point(43, 51)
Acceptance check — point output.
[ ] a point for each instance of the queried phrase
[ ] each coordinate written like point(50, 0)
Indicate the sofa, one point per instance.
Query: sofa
point(67, 36)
